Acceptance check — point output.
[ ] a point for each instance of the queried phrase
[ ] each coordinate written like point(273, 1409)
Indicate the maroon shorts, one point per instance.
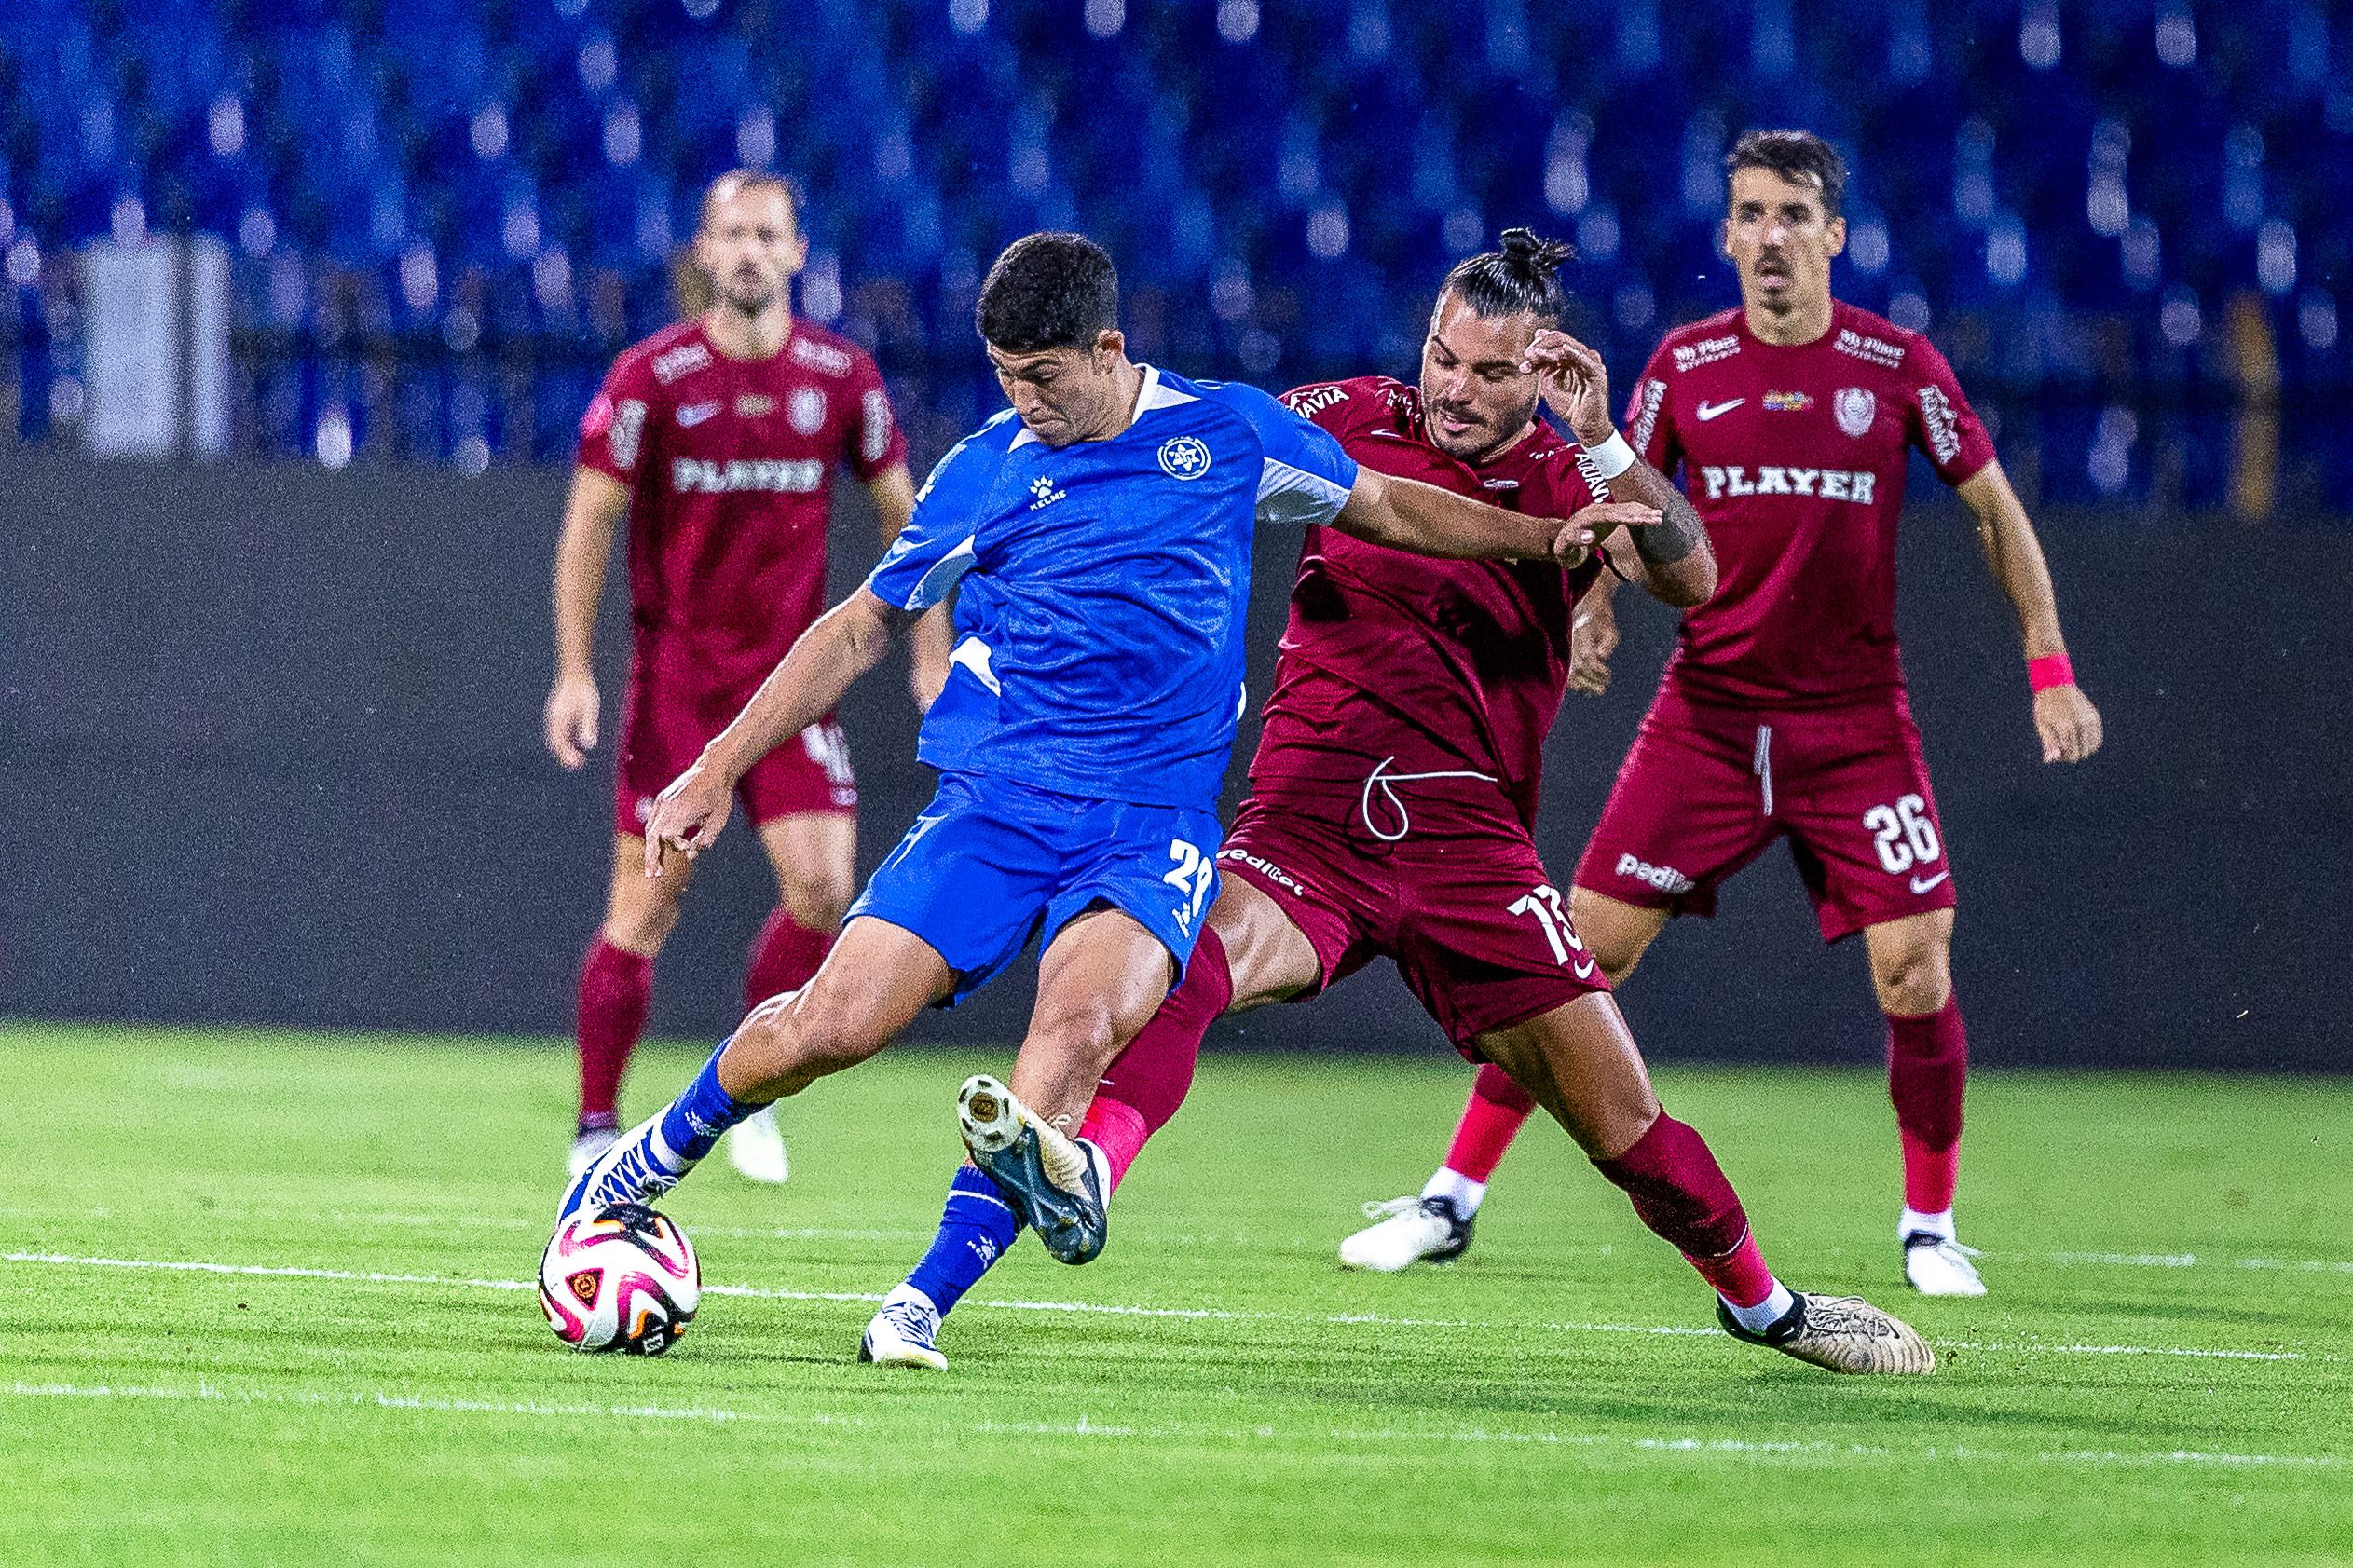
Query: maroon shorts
point(1707, 788)
point(1463, 905)
point(665, 724)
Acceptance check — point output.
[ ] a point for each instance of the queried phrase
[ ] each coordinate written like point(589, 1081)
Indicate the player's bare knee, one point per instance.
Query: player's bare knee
point(641, 928)
point(1604, 1132)
point(1088, 1031)
point(1617, 966)
point(1913, 979)
point(789, 1043)
point(1617, 935)
point(817, 903)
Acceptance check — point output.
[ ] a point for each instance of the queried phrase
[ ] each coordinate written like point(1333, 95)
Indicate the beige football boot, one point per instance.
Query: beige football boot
point(1841, 1334)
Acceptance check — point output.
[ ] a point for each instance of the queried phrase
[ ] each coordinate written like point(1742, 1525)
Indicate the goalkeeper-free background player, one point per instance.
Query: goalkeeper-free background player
point(1394, 793)
point(718, 439)
point(1097, 538)
point(1783, 712)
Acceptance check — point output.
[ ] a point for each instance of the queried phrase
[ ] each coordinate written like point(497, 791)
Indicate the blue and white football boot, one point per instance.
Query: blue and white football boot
point(639, 1167)
point(1058, 1184)
point(905, 1332)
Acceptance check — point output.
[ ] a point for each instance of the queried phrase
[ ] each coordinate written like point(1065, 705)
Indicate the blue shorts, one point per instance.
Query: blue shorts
point(992, 863)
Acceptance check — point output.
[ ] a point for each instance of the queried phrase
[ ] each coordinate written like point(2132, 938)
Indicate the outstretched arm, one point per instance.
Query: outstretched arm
point(2063, 715)
point(1407, 514)
point(928, 644)
point(1592, 625)
point(847, 641)
point(1678, 564)
point(592, 514)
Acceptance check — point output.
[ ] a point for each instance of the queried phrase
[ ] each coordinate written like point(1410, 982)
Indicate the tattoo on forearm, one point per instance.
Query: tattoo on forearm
point(1675, 535)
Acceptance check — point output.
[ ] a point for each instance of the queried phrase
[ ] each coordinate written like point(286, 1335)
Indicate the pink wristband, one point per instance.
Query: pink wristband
point(2051, 669)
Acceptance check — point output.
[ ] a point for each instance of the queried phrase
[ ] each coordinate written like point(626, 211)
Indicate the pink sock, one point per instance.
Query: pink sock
point(1146, 1082)
point(1118, 1130)
point(1498, 1109)
point(785, 957)
point(1680, 1193)
point(1740, 1275)
point(1927, 1065)
point(1930, 1175)
point(616, 988)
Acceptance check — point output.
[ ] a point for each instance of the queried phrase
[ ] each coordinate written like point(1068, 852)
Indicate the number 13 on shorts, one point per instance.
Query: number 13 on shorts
point(1194, 876)
point(1543, 905)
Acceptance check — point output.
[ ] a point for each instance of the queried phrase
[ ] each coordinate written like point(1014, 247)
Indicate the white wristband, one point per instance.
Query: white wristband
point(1611, 458)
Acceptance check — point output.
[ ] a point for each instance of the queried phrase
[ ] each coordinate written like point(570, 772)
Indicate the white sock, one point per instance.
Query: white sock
point(1457, 1188)
point(1765, 1313)
point(1102, 1164)
point(1938, 1226)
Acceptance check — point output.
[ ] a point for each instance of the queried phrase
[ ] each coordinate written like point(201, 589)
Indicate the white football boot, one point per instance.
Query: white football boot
point(1939, 1265)
point(1410, 1230)
point(756, 1148)
point(903, 1333)
point(588, 1148)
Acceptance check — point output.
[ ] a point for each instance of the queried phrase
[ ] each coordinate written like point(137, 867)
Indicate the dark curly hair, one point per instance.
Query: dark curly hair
point(1049, 291)
point(1523, 275)
point(1799, 156)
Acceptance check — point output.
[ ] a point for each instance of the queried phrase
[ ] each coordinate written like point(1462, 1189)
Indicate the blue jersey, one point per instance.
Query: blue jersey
point(1104, 585)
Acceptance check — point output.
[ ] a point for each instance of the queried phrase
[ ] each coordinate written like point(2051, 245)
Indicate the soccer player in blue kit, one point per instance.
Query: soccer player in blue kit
point(1097, 538)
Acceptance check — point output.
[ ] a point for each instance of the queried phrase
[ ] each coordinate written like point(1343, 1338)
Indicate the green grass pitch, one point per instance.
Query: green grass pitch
point(2160, 1374)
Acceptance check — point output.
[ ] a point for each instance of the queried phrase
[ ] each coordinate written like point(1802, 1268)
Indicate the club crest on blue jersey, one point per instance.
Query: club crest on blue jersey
point(1183, 457)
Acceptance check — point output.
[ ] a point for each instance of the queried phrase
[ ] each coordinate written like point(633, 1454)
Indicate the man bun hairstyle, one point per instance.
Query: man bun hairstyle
point(1049, 291)
point(1523, 275)
point(1799, 156)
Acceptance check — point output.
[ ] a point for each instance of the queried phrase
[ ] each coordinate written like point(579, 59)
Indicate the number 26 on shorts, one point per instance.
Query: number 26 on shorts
point(1905, 836)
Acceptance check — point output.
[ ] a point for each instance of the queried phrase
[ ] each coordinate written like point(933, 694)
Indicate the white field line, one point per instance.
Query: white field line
point(1087, 1427)
point(2192, 1261)
point(1095, 1309)
point(504, 1222)
point(835, 1232)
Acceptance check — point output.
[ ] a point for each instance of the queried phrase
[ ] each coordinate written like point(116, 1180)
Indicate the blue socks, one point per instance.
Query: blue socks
point(695, 1118)
point(975, 1229)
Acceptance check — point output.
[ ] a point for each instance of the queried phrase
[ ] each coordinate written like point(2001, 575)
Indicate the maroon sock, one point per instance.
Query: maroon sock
point(1679, 1191)
point(1927, 1065)
point(616, 986)
point(785, 957)
point(1496, 1110)
point(1149, 1079)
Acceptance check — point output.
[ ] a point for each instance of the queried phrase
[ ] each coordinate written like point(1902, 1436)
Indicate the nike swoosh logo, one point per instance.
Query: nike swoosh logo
point(1928, 884)
point(1585, 969)
point(694, 414)
point(1707, 411)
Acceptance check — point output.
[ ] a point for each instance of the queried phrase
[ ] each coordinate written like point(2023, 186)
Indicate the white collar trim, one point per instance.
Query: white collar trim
point(1151, 393)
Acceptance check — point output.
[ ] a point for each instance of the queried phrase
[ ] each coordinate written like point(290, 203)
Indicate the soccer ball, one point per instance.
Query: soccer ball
point(621, 1277)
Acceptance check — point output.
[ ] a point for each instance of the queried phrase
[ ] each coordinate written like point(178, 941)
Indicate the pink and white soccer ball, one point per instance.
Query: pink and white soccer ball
point(621, 1277)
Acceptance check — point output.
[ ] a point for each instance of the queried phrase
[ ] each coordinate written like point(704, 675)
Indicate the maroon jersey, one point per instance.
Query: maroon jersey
point(1796, 457)
point(1441, 667)
point(729, 464)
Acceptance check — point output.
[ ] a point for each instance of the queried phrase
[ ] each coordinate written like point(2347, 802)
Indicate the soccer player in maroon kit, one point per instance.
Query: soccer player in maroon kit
point(1783, 711)
point(1394, 790)
point(718, 438)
